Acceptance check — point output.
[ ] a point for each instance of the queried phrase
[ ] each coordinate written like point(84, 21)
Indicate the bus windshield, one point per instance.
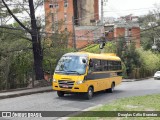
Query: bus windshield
point(72, 65)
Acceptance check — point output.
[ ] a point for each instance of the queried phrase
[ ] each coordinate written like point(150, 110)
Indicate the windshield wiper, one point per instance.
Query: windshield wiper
point(59, 71)
point(73, 72)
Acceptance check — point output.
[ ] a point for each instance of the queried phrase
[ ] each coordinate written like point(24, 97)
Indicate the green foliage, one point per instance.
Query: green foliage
point(15, 58)
point(127, 52)
point(20, 69)
point(110, 47)
point(16, 64)
point(51, 57)
point(149, 60)
point(121, 46)
point(147, 42)
point(94, 48)
point(54, 48)
point(131, 58)
point(124, 73)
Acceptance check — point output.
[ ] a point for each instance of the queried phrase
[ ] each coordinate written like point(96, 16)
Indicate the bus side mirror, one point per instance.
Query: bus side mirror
point(101, 46)
point(84, 61)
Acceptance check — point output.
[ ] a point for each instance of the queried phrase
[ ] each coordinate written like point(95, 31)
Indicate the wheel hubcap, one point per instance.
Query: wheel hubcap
point(112, 87)
point(90, 92)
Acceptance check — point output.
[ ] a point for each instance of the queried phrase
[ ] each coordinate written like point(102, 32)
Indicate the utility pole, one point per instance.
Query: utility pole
point(56, 16)
point(1, 21)
point(52, 14)
point(102, 43)
point(1, 24)
point(102, 12)
point(74, 36)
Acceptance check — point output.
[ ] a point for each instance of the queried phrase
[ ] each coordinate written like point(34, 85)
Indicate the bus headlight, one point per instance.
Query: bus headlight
point(54, 80)
point(79, 82)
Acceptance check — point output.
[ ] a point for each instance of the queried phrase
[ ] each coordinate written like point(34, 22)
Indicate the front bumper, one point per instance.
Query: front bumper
point(75, 88)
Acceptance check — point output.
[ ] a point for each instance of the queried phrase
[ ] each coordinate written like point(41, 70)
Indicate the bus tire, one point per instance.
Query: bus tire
point(89, 93)
point(110, 90)
point(60, 93)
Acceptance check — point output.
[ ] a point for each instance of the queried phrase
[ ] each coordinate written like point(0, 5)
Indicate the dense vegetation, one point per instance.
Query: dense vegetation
point(16, 63)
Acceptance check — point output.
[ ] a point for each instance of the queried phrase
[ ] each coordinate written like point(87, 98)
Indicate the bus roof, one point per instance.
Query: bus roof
point(104, 56)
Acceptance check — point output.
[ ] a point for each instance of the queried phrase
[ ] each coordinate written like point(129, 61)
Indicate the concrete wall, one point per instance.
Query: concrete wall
point(86, 11)
point(119, 32)
point(87, 34)
point(136, 36)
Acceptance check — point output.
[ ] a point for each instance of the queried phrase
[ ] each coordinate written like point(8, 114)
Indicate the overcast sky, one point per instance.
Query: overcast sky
point(117, 8)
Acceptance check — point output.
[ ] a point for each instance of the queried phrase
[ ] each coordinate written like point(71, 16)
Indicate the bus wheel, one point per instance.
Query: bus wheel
point(60, 93)
point(110, 90)
point(89, 94)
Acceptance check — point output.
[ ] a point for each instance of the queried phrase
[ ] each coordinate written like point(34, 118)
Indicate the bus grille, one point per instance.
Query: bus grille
point(66, 84)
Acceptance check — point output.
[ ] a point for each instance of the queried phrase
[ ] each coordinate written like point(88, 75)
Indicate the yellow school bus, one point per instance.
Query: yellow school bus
point(83, 72)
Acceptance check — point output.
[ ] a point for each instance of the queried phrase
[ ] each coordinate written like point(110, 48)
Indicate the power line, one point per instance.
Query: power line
point(81, 35)
point(128, 9)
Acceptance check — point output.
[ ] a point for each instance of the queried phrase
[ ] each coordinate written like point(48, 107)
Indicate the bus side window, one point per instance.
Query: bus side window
point(104, 65)
point(120, 66)
point(114, 65)
point(109, 65)
point(96, 65)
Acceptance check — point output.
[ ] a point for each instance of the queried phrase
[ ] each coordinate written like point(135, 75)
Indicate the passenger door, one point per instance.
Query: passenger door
point(95, 75)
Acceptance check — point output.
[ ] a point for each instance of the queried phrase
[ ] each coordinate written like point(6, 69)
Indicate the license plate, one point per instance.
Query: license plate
point(65, 86)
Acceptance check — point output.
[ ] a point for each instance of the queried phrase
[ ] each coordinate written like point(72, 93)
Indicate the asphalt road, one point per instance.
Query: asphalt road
point(49, 101)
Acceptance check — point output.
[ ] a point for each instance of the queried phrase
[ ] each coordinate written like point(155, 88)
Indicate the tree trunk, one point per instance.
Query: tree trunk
point(36, 43)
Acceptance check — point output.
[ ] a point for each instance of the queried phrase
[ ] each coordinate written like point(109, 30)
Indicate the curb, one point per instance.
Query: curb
point(24, 93)
point(13, 90)
point(133, 80)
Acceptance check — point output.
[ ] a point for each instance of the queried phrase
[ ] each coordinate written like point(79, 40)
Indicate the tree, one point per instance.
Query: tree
point(121, 46)
point(36, 42)
point(12, 50)
point(54, 48)
point(150, 25)
point(127, 52)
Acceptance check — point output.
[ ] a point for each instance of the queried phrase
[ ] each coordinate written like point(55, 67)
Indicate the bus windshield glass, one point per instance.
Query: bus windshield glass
point(72, 65)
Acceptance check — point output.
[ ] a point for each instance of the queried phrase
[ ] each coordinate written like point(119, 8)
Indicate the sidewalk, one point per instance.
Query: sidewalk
point(22, 92)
